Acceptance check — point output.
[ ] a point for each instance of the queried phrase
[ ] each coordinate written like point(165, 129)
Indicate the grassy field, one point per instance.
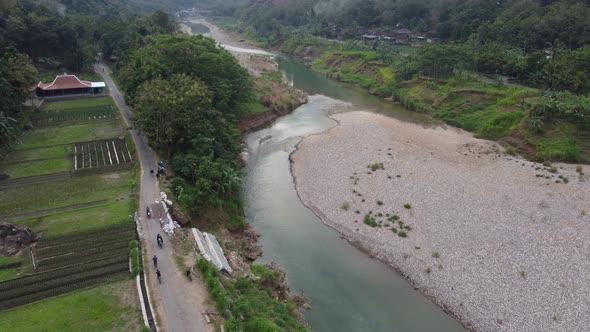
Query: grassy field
point(111, 307)
point(60, 193)
point(85, 219)
point(41, 153)
point(51, 136)
point(77, 103)
point(8, 260)
point(40, 167)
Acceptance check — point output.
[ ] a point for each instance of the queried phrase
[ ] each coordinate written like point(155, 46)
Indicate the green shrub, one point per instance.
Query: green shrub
point(135, 263)
point(133, 244)
point(370, 221)
point(375, 166)
point(345, 206)
point(237, 223)
point(408, 206)
point(402, 234)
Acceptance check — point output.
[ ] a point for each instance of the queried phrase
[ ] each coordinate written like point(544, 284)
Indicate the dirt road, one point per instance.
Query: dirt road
point(177, 302)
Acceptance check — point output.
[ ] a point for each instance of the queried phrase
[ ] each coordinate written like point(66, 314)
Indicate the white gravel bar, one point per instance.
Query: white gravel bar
point(494, 239)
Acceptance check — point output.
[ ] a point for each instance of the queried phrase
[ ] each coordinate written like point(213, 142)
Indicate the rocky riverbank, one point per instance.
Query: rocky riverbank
point(499, 242)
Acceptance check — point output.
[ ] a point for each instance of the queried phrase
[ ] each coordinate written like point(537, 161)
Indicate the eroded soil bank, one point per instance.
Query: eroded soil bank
point(498, 241)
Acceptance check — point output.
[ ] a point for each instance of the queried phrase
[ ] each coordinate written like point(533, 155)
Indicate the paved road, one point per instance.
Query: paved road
point(177, 302)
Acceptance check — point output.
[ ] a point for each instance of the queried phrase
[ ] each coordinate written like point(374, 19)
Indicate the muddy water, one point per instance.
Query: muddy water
point(349, 291)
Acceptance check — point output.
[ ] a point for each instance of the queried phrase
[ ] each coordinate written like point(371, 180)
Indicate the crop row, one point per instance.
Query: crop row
point(80, 245)
point(101, 153)
point(15, 302)
point(83, 236)
point(62, 281)
point(83, 252)
point(66, 261)
point(87, 113)
point(59, 273)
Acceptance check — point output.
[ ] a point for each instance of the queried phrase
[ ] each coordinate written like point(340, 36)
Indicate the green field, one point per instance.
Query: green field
point(39, 167)
point(85, 219)
point(77, 103)
point(51, 136)
point(111, 307)
point(60, 193)
point(41, 153)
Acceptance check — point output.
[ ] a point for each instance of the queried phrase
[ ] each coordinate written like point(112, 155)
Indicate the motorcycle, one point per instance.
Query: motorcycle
point(189, 275)
point(148, 212)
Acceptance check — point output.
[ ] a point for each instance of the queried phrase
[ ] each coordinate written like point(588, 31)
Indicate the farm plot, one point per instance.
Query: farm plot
point(108, 307)
point(52, 136)
point(65, 192)
point(101, 153)
point(58, 105)
point(91, 113)
point(80, 220)
point(35, 167)
point(66, 263)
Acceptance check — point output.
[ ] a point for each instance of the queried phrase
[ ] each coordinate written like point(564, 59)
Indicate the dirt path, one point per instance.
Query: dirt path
point(177, 302)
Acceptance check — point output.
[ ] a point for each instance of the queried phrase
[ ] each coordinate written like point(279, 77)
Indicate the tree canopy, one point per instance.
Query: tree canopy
point(165, 55)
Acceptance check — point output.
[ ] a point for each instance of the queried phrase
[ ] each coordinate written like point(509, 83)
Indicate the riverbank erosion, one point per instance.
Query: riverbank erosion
point(497, 241)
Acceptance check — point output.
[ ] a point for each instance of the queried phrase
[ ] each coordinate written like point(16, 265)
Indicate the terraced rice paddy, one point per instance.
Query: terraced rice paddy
point(70, 179)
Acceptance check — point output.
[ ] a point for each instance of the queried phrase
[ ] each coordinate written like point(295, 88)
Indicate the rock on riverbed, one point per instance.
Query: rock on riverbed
point(500, 242)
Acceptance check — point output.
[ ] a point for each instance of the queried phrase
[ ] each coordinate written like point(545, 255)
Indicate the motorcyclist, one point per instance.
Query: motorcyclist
point(155, 260)
point(148, 212)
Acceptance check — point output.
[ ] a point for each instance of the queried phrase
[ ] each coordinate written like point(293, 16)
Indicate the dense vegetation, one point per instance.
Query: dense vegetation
point(41, 38)
point(247, 304)
point(542, 43)
point(185, 92)
point(465, 80)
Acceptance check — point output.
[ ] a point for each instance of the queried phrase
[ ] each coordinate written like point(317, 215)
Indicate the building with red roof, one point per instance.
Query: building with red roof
point(67, 85)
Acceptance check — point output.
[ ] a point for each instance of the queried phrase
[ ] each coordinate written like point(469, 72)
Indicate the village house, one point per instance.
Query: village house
point(67, 85)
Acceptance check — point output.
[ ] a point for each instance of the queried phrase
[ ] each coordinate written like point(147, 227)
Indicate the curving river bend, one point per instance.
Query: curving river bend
point(349, 291)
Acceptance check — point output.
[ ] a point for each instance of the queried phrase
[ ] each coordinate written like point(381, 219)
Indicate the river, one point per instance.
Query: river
point(349, 291)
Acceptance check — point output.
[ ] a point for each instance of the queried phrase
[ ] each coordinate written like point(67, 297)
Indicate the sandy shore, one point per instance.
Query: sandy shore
point(492, 238)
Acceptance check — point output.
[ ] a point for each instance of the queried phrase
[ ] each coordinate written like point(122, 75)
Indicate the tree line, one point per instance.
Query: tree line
point(541, 42)
point(52, 36)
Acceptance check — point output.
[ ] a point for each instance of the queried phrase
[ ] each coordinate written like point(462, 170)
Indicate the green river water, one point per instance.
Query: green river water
point(348, 290)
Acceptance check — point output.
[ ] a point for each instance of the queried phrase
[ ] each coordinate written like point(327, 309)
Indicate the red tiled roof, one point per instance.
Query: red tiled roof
point(64, 82)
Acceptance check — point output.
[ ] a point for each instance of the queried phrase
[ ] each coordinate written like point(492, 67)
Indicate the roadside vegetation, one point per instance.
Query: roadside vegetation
point(247, 304)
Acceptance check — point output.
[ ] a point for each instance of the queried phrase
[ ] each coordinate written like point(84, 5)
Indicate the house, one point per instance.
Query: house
point(68, 85)
point(402, 36)
point(370, 37)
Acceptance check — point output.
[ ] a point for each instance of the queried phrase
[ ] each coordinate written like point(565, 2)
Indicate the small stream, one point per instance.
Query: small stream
point(349, 291)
